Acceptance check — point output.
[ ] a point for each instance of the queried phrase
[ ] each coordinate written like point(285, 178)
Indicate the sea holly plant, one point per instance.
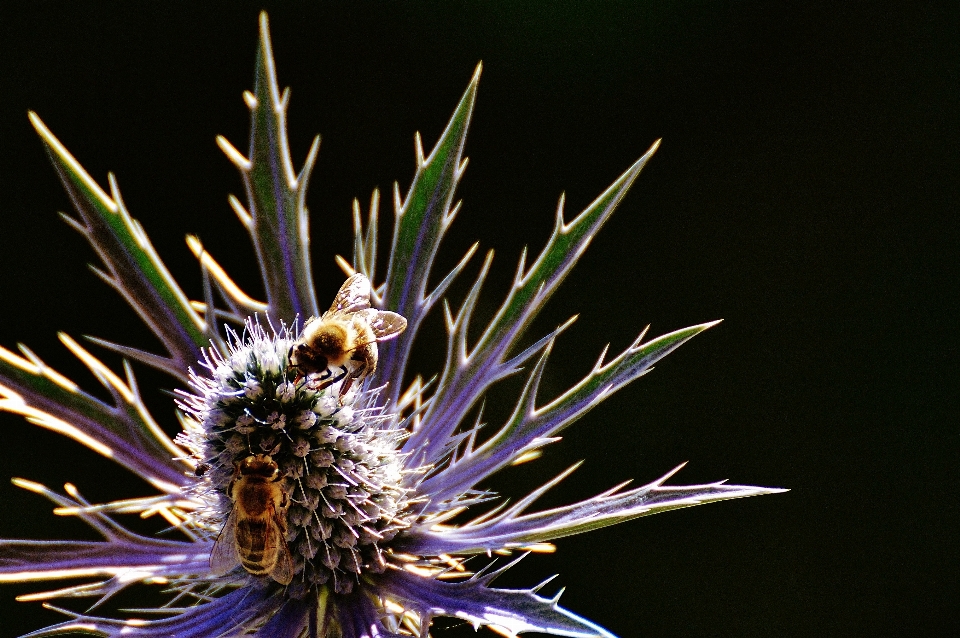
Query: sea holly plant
point(342, 498)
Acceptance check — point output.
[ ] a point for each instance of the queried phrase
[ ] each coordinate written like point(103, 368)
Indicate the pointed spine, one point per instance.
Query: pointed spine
point(530, 427)
point(124, 432)
point(133, 267)
point(465, 378)
point(276, 213)
point(512, 528)
point(422, 219)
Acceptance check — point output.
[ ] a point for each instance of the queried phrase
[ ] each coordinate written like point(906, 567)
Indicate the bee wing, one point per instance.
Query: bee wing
point(283, 569)
point(224, 556)
point(385, 324)
point(354, 295)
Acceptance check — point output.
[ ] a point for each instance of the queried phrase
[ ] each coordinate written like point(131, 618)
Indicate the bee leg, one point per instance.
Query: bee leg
point(290, 365)
point(343, 389)
point(317, 381)
point(312, 381)
point(330, 379)
point(356, 374)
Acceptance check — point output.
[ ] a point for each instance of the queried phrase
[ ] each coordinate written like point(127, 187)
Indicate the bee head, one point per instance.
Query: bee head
point(258, 465)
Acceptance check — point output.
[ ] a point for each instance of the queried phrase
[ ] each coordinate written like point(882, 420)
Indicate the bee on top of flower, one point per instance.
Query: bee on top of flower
point(346, 334)
point(320, 488)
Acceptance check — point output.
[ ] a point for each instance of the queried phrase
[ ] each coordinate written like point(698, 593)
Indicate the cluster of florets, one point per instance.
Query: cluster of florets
point(337, 457)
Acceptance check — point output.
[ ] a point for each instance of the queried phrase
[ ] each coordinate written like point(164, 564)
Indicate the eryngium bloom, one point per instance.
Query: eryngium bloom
point(362, 531)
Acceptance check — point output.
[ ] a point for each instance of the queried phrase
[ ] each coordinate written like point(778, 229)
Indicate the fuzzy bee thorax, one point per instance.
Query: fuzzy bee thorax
point(332, 341)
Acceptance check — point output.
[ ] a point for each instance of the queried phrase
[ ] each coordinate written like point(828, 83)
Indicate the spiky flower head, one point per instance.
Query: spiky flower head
point(322, 500)
point(335, 455)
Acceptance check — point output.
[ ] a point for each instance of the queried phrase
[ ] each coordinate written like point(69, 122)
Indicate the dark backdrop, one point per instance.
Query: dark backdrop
point(805, 192)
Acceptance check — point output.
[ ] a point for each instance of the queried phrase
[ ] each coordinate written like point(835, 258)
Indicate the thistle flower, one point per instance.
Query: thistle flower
point(345, 500)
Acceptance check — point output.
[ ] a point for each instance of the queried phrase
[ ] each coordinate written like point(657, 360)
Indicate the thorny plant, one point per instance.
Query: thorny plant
point(329, 495)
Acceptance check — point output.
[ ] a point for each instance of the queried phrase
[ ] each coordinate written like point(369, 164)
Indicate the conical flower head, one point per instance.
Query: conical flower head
point(329, 460)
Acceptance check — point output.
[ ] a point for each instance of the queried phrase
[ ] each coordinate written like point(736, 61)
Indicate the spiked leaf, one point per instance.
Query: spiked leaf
point(530, 427)
point(508, 611)
point(133, 267)
point(365, 242)
point(124, 432)
point(513, 528)
point(469, 373)
point(241, 305)
point(356, 617)
point(224, 616)
point(276, 214)
point(123, 555)
point(422, 218)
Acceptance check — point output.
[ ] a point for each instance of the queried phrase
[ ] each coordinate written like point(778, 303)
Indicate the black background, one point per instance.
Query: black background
point(805, 192)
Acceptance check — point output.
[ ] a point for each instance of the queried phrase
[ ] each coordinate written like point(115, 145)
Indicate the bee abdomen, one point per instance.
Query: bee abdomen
point(258, 554)
point(257, 567)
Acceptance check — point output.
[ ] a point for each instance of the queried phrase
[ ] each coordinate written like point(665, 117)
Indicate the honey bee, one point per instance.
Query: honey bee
point(254, 535)
point(347, 333)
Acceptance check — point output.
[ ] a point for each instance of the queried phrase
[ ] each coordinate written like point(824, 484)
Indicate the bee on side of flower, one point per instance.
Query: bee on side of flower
point(345, 337)
point(254, 535)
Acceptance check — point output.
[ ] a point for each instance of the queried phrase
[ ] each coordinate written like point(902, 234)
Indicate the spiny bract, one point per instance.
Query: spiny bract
point(342, 502)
